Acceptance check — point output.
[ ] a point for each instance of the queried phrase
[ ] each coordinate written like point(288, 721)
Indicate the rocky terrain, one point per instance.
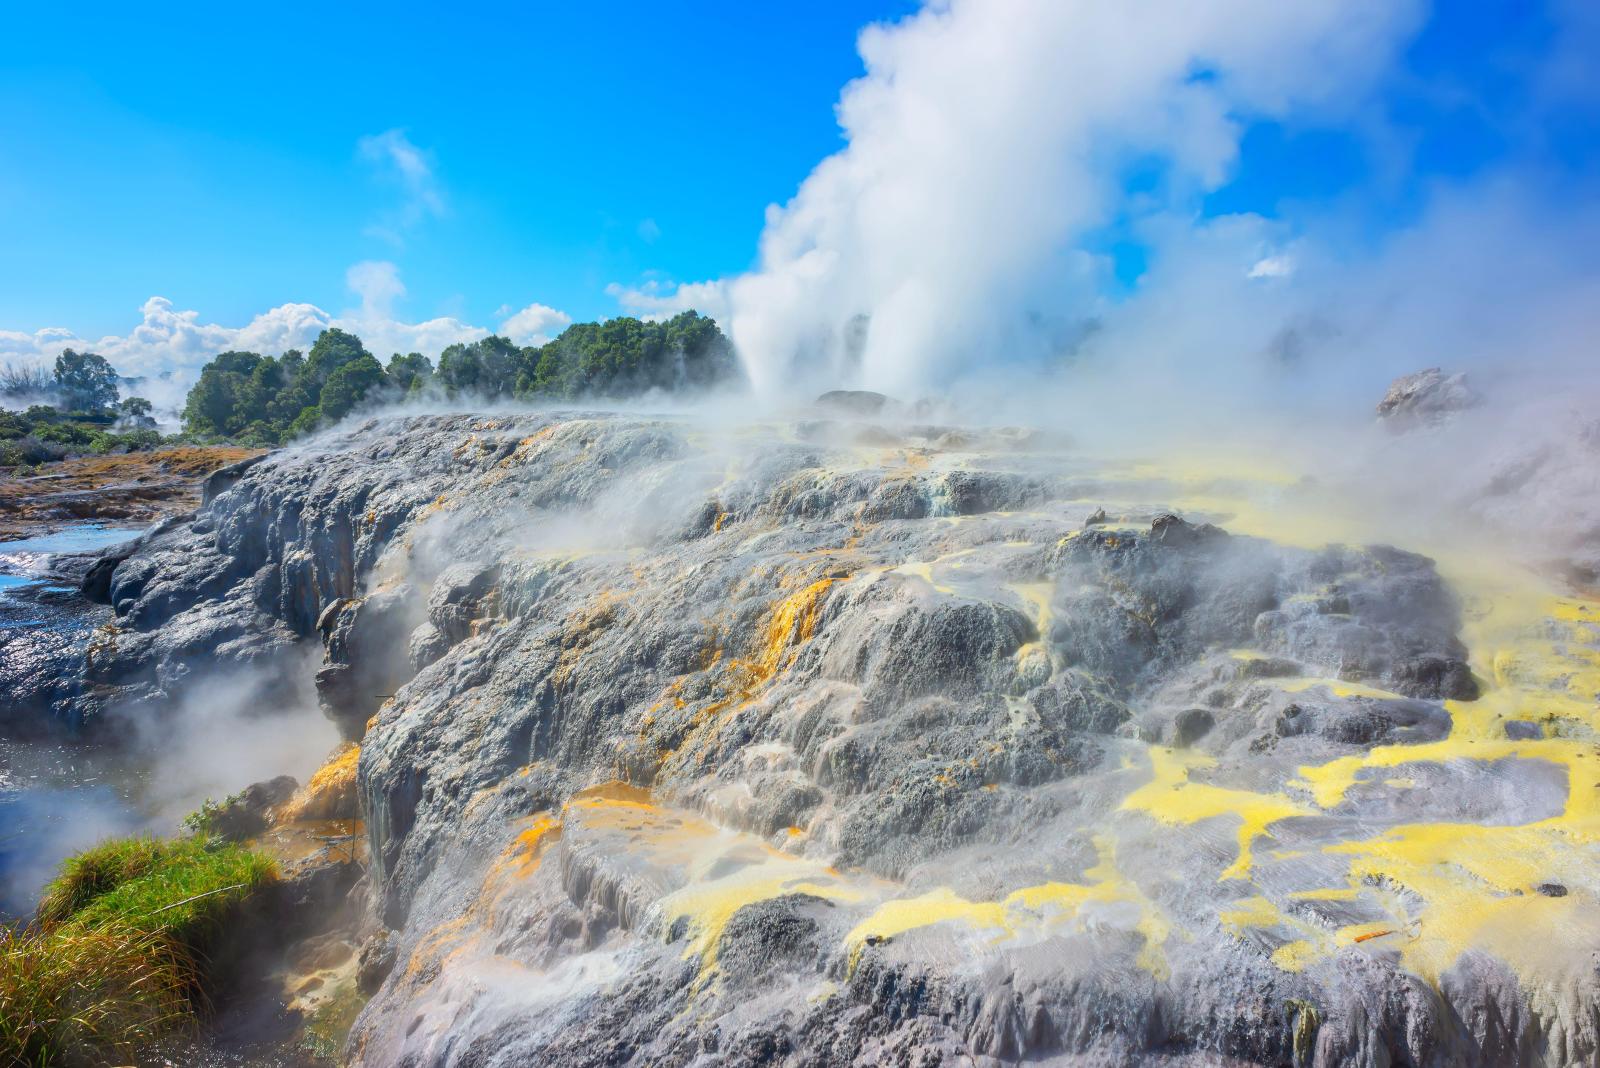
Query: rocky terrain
point(838, 742)
point(137, 487)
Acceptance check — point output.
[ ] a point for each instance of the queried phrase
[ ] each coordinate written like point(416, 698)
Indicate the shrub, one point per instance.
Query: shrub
point(29, 451)
point(141, 440)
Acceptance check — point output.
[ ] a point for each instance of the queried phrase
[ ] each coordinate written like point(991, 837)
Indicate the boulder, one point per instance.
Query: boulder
point(856, 402)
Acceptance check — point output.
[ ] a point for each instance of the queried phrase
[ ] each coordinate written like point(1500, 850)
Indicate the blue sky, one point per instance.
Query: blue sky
point(210, 153)
point(232, 161)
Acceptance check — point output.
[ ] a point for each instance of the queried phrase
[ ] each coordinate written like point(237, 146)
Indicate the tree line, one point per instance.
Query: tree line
point(266, 400)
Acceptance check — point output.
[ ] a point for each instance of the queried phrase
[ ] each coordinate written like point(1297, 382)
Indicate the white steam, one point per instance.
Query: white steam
point(987, 138)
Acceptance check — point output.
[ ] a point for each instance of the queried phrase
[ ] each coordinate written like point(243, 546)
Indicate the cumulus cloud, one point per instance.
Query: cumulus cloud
point(1271, 267)
point(169, 346)
point(535, 325)
point(377, 283)
point(411, 170)
point(654, 300)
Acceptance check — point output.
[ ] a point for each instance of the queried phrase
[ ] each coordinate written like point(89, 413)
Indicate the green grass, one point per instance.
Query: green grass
point(81, 996)
point(117, 955)
point(182, 888)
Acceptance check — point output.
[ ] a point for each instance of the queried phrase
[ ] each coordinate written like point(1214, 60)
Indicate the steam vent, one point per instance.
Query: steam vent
point(832, 743)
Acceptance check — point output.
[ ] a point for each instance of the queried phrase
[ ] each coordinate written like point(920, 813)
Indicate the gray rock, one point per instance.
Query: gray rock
point(832, 679)
point(248, 813)
point(853, 401)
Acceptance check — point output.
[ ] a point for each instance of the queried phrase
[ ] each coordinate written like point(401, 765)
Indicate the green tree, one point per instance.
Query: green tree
point(348, 385)
point(304, 423)
point(227, 396)
point(209, 409)
point(85, 381)
point(409, 372)
point(488, 366)
point(137, 412)
point(332, 350)
point(624, 357)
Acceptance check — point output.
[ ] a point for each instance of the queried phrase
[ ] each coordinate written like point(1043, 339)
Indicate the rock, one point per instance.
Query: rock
point(807, 752)
point(96, 584)
point(330, 794)
point(250, 812)
point(1191, 725)
point(1425, 398)
point(857, 402)
point(225, 478)
point(376, 961)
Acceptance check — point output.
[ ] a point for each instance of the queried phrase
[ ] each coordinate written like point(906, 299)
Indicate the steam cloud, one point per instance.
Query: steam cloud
point(995, 150)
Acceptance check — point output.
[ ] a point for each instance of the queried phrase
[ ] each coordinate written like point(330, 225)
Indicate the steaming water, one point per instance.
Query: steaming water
point(55, 799)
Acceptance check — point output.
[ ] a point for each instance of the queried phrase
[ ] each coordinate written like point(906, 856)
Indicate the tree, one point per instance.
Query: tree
point(85, 381)
point(241, 363)
point(248, 397)
point(210, 409)
point(707, 356)
point(348, 385)
point(409, 372)
point(624, 356)
point(304, 423)
point(332, 350)
point(489, 366)
point(136, 410)
point(19, 380)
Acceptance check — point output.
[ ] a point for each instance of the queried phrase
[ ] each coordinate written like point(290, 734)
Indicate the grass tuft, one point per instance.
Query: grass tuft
point(81, 995)
point(185, 892)
point(116, 956)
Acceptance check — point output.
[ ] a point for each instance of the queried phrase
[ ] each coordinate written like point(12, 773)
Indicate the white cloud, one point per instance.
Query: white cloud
point(654, 300)
point(1272, 267)
point(377, 283)
point(174, 344)
point(412, 170)
point(649, 231)
point(535, 324)
point(285, 327)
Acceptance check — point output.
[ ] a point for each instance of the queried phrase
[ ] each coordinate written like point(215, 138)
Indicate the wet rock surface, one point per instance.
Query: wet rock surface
point(790, 744)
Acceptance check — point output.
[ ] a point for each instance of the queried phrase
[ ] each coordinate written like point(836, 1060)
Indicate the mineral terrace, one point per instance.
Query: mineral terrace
point(828, 742)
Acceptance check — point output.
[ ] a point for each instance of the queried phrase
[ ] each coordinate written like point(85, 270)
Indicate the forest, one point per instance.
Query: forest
point(267, 400)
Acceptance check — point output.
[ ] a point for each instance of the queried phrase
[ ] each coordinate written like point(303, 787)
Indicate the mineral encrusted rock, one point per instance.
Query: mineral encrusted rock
point(684, 744)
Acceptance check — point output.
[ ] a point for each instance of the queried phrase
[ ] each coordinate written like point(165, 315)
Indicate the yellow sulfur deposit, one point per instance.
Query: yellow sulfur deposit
point(331, 792)
point(1173, 799)
point(1027, 914)
point(1448, 887)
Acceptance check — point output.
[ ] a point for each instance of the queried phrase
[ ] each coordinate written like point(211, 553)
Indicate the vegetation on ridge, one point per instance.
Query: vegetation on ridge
point(261, 401)
point(266, 400)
